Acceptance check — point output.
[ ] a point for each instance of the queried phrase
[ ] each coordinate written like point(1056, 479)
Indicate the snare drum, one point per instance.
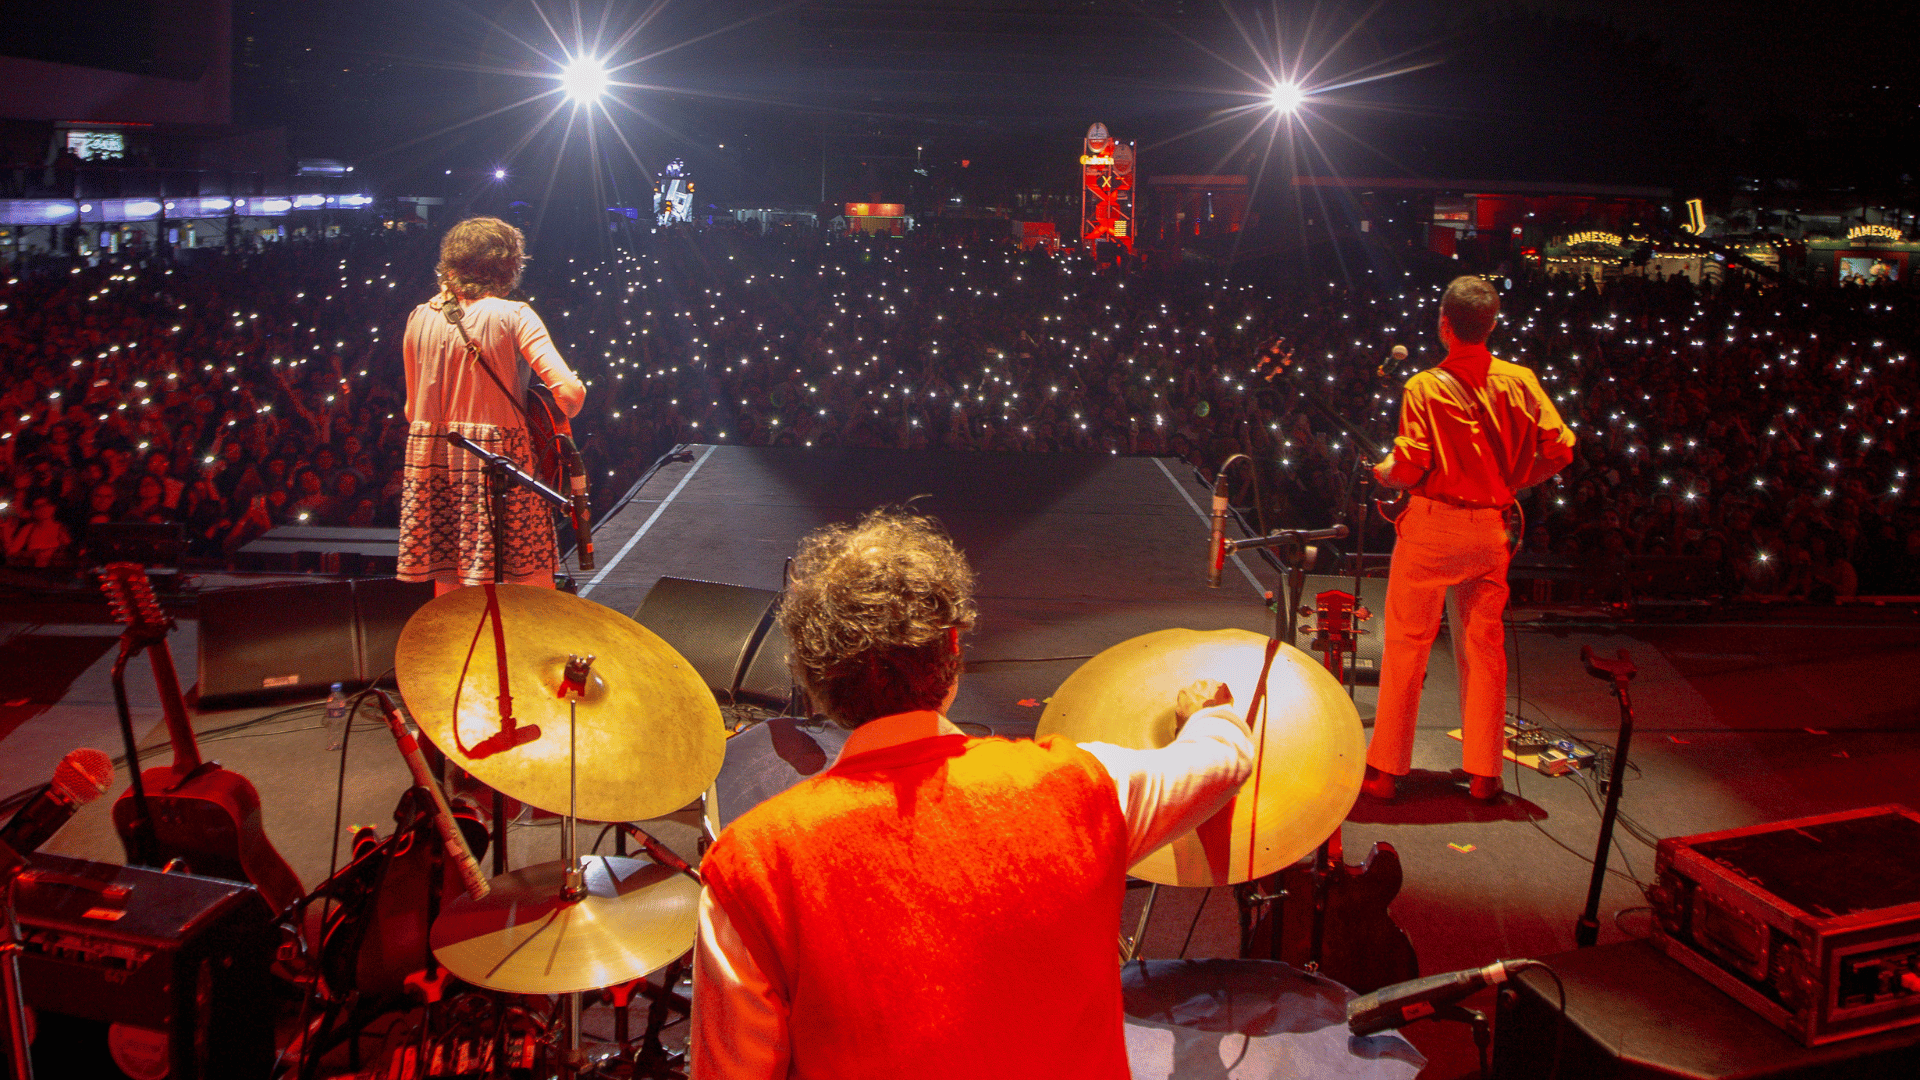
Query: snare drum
point(1250, 1020)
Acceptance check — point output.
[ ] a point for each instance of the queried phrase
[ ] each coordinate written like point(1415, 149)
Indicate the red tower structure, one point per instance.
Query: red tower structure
point(1106, 190)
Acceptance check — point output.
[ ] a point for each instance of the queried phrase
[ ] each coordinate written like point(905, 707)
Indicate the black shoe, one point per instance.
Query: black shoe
point(1378, 785)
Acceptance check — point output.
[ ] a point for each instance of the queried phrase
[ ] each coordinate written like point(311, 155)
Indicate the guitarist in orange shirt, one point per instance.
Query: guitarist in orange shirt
point(1473, 430)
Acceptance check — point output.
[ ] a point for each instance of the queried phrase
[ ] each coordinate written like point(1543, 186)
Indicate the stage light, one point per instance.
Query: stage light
point(1286, 97)
point(499, 174)
point(584, 80)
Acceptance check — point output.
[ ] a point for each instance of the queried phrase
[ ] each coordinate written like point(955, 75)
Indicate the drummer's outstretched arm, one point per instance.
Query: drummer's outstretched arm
point(1167, 791)
point(739, 1020)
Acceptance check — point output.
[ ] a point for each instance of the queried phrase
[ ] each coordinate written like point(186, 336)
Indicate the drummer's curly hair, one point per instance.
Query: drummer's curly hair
point(868, 612)
point(481, 256)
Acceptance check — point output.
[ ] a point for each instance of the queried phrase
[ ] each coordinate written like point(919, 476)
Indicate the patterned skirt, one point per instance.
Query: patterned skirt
point(446, 527)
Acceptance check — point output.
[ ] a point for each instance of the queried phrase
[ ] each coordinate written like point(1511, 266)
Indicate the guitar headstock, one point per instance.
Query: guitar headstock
point(131, 597)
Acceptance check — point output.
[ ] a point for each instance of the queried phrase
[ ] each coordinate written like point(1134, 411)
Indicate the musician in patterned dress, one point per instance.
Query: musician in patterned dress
point(446, 534)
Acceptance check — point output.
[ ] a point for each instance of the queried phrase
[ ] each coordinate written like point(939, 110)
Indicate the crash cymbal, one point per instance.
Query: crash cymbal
point(1309, 750)
point(635, 918)
point(650, 736)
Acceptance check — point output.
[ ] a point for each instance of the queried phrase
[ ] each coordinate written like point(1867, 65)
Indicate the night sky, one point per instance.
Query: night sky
point(1706, 95)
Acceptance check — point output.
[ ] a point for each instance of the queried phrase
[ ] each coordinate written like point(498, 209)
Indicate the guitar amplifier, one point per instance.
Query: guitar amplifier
point(169, 971)
point(1812, 923)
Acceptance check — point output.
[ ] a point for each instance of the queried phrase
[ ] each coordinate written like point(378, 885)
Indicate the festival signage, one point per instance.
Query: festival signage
point(1610, 239)
point(1106, 191)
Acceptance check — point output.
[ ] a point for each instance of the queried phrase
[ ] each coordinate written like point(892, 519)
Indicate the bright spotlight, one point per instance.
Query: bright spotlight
point(1286, 97)
point(499, 174)
point(584, 80)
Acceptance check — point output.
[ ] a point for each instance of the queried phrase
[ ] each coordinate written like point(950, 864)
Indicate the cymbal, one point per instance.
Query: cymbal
point(650, 737)
point(1309, 755)
point(636, 918)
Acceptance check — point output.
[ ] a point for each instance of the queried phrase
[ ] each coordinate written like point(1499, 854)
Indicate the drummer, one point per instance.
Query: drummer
point(933, 905)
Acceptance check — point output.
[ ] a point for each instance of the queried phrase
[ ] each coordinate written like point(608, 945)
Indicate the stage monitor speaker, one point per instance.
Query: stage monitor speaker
point(149, 543)
point(265, 640)
point(132, 972)
point(716, 627)
point(768, 681)
point(281, 640)
point(381, 608)
point(1634, 1013)
point(1368, 644)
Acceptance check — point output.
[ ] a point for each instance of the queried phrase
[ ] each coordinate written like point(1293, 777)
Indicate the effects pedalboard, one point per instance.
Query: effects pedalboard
point(1531, 745)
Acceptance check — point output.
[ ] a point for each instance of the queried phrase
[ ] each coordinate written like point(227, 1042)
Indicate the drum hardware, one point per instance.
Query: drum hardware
point(485, 671)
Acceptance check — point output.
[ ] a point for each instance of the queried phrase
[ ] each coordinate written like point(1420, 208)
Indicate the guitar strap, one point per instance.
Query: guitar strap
point(1479, 416)
point(451, 310)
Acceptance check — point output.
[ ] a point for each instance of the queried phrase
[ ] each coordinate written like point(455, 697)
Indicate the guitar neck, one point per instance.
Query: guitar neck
point(186, 751)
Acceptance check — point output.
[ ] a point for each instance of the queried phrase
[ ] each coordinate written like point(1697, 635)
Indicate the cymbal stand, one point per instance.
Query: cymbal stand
point(502, 474)
point(573, 880)
point(1264, 893)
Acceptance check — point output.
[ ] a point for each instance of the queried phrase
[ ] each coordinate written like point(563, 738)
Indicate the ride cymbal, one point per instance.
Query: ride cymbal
point(1309, 751)
point(650, 737)
point(523, 938)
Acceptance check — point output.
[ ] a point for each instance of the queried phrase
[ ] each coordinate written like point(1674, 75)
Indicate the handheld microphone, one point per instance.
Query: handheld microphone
point(83, 775)
point(1394, 356)
point(470, 875)
point(1405, 1002)
point(582, 505)
point(1217, 542)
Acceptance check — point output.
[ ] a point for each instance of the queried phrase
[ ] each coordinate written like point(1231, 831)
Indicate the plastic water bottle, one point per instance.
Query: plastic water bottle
point(336, 724)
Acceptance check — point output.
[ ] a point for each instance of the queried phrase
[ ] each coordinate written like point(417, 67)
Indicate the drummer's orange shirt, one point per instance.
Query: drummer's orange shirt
point(1456, 450)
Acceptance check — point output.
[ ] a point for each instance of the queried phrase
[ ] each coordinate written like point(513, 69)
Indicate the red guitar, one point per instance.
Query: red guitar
point(198, 811)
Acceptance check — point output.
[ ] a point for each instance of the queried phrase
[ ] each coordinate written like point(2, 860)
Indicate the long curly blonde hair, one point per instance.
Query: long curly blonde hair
point(481, 256)
point(870, 613)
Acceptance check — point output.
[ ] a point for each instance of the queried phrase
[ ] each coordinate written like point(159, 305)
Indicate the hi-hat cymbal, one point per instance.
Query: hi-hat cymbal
point(635, 918)
point(650, 736)
point(1309, 750)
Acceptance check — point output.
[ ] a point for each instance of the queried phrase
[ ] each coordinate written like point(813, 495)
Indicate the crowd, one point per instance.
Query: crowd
point(1764, 433)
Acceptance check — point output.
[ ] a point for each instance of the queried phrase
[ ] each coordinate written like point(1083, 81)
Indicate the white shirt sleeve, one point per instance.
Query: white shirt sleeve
point(739, 1019)
point(1166, 792)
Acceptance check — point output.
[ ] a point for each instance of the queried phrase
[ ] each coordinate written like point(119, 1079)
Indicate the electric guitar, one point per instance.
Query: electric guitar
point(197, 811)
point(1321, 911)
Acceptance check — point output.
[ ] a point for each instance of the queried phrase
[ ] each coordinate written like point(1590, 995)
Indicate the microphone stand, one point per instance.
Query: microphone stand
point(1359, 481)
point(1620, 672)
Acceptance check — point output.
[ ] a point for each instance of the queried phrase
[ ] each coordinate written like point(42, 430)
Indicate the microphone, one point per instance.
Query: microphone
point(1217, 542)
point(83, 775)
point(470, 875)
point(1405, 1002)
point(582, 505)
point(659, 852)
point(1394, 356)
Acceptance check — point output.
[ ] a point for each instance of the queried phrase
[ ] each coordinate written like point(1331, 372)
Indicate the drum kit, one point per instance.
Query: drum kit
point(533, 691)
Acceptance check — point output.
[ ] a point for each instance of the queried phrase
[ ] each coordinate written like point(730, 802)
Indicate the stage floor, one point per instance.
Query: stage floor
point(1775, 716)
